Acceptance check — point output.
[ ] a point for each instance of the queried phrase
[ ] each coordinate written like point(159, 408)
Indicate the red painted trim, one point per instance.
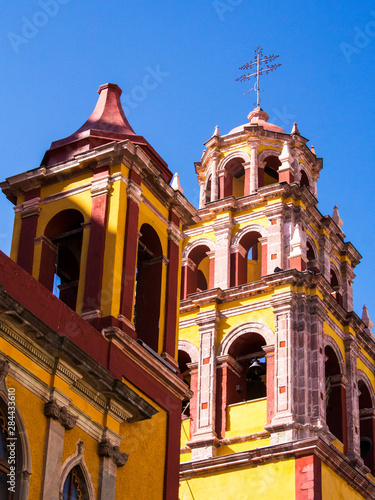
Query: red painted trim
point(34, 193)
point(25, 256)
point(95, 254)
point(247, 182)
point(270, 360)
point(211, 278)
point(130, 257)
point(308, 478)
point(264, 259)
point(172, 305)
point(286, 176)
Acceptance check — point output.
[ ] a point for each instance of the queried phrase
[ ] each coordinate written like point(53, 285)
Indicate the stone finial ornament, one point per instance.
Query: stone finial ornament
point(366, 318)
point(217, 131)
point(295, 129)
point(336, 216)
point(176, 183)
point(313, 150)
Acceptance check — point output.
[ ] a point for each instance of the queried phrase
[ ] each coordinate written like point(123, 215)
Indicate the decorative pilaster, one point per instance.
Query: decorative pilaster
point(95, 256)
point(204, 442)
point(30, 210)
point(251, 171)
point(325, 247)
point(223, 232)
point(134, 198)
point(352, 401)
point(348, 276)
point(275, 243)
point(59, 420)
point(110, 459)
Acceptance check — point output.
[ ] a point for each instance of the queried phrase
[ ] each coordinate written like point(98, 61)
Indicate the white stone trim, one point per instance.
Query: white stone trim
point(251, 327)
point(190, 349)
point(243, 155)
point(197, 243)
point(253, 228)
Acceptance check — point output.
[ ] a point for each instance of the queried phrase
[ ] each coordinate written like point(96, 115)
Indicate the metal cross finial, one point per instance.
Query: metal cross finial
point(259, 60)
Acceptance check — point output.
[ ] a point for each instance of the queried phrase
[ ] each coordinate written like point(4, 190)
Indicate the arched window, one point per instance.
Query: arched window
point(271, 167)
point(75, 487)
point(336, 286)
point(335, 396)
point(312, 263)
point(148, 287)
point(304, 179)
point(366, 426)
point(233, 183)
point(183, 361)
point(251, 383)
point(246, 261)
point(61, 257)
point(208, 191)
point(197, 271)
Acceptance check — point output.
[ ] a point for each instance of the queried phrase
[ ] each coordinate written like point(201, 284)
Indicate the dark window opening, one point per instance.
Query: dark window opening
point(335, 396)
point(312, 263)
point(366, 426)
point(75, 487)
point(304, 179)
point(196, 279)
point(183, 361)
point(271, 174)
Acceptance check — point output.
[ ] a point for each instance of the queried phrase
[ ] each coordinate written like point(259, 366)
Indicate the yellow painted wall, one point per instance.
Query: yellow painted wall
point(268, 482)
point(335, 488)
point(248, 417)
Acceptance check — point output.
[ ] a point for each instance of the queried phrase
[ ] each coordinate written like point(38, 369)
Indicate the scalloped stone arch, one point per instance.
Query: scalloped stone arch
point(266, 153)
point(253, 228)
point(237, 332)
point(196, 243)
point(232, 156)
point(362, 376)
point(328, 341)
point(190, 349)
point(70, 463)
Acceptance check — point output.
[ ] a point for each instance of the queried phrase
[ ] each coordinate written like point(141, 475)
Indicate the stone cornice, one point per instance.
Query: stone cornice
point(43, 345)
point(326, 453)
point(149, 363)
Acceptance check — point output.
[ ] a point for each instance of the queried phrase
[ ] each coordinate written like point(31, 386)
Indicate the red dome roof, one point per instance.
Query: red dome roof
point(258, 117)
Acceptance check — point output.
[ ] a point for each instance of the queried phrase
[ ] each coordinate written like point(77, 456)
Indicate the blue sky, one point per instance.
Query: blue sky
point(56, 53)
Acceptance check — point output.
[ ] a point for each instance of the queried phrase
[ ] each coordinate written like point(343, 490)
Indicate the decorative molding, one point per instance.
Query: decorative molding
point(106, 449)
point(59, 413)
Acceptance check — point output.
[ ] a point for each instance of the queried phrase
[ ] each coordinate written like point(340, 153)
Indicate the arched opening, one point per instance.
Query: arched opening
point(183, 361)
point(304, 179)
point(366, 426)
point(246, 262)
point(75, 487)
point(312, 263)
point(250, 383)
point(148, 286)
point(208, 191)
point(196, 273)
point(336, 287)
point(61, 255)
point(335, 396)
point(233, 183)
point(271, 167)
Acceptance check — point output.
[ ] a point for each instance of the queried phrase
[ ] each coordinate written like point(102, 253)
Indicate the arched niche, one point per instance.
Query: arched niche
point(198, 267)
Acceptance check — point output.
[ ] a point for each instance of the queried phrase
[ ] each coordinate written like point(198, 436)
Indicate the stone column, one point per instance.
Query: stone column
point(95, 255)
point(110, 459)
point(283, 425)
point(60, 420)
point(275, 242)
point(205, 442)
point(352, 402)
point(172, 299)
point(348, 276)
point(214, 177)
point(251, 179)
point(223, 233)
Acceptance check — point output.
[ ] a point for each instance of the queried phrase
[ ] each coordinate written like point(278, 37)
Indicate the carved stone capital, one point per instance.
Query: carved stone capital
point(134, 192)
point(100, 186)
point(107, 450)
point(174, 234)
point(59, 413)
point(4, 368)
point(30, 208)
